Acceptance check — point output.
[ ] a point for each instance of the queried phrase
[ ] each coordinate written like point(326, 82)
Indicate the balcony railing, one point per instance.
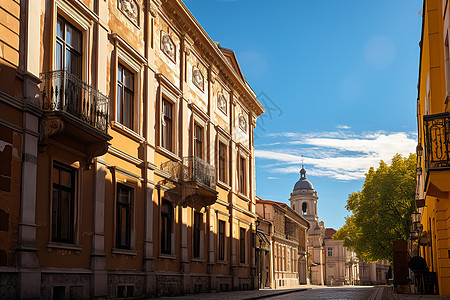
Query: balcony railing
point(192, 169)
point(437, 140)
point(198, 170)
point(63, 91)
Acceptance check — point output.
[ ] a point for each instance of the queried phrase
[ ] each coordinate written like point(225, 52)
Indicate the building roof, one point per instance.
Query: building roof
point(329, 232)
point(283, 206)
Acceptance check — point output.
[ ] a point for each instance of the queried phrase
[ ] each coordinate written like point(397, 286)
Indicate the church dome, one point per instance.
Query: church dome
point(303, 183)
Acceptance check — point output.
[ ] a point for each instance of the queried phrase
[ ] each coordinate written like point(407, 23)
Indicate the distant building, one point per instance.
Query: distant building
point(341, 264)
point(373, 273)
point(304, 201)
point(280, 246)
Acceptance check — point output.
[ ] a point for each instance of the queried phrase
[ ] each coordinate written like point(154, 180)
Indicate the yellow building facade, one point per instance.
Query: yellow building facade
point(431, 221)
point(126, 139)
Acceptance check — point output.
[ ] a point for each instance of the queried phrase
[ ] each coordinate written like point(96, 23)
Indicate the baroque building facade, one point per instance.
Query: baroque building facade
point(304, 201)
point(281, 245)
point(430, 229)
point(127, 153)
point(341, 264)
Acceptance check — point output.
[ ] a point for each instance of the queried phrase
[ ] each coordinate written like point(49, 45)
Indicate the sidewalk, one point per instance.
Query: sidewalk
point(240, 295)
point(386, 292)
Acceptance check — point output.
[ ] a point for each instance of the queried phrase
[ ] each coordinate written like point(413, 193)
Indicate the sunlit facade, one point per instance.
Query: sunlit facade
point(127, 153)
point(430, 231)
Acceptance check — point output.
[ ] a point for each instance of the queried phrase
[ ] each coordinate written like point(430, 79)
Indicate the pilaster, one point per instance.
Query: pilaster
point(99, 277)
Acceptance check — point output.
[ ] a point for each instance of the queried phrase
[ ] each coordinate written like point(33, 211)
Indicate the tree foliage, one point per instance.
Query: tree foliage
point(381, 211)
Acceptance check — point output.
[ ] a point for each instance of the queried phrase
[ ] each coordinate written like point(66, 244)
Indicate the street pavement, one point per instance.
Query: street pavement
point(344, 292)
point(312, 292)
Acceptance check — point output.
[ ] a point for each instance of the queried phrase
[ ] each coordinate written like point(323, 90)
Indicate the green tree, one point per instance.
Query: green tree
point(381, 212)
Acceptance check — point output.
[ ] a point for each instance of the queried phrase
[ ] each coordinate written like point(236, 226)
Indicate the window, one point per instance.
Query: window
point(198, 141)
point(222, 162)
point(166, 227)
point(330, 251)
point(166, 126)
point(304, 208)
point(242, 176)
point(197, 226)
point(123, 216)
point(63, 203)
point(68, 47)
point(125, 97)
point(221, 240)
point(242, 245)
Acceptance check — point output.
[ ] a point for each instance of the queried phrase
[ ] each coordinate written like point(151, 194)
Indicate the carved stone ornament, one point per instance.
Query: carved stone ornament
point(197, 78)
point(153, 10)
point(242, 123)
point(131, 9)
point(167, 45)
point(50, 125)
point(222, 103)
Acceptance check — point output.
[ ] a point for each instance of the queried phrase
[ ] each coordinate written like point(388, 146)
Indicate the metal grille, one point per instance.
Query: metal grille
point(437, 139)
point(63, 91)
point(192, 169)
point(198, 170)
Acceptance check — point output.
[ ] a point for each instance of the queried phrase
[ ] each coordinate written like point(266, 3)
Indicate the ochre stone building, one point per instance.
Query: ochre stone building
point(126, 148)
point(430, 232)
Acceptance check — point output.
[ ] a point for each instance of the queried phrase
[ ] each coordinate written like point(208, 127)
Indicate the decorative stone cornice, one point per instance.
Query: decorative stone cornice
point(186, 22)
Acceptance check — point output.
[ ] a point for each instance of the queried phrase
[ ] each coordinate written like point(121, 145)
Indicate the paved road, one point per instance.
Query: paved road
point(341, 293)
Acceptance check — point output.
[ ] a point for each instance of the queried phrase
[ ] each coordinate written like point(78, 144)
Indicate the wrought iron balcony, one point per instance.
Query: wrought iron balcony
point(198, 170)
point(192, 169)
point(195, 181)
point(437, 141)
point(64, 92)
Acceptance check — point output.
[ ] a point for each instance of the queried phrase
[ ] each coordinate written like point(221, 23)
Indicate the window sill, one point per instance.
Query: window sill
point(198, 260)
point(222, 262)
point(243, 265)
point(243, 197)
point(127, 131)
point(124, 251)
point(223, 185)
point(166, 152)
point(167, 256)
point(56, 245)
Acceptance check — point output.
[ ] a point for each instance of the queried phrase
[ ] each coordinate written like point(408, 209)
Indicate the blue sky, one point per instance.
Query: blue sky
point(338, 80)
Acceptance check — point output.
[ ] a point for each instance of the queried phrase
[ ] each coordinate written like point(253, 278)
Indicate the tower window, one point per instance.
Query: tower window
point(304, 208)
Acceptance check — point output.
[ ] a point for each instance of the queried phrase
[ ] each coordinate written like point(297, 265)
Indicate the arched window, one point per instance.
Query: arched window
point(304, 208)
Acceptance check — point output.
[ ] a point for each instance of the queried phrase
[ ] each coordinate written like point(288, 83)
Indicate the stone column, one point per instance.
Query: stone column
point(27, 260)
point(149, 259)
point(99, 279)
point(211, 250)
point(184, 262)
point(233, 171)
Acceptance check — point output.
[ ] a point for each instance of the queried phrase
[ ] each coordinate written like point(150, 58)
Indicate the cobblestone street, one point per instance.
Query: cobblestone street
point(316, 293)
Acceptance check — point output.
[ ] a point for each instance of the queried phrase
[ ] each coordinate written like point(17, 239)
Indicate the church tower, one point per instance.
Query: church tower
point(304, 201)
point(304, 198)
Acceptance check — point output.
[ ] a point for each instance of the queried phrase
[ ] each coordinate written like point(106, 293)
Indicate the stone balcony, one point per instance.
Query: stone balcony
point(75, 110)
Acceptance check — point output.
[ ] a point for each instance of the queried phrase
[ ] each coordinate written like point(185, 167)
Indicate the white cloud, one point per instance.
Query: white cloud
point(347, 157)
point(342, 126)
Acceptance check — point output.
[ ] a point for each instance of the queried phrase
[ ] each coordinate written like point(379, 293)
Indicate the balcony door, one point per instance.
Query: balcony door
point(67, 82)
point(68, 48)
